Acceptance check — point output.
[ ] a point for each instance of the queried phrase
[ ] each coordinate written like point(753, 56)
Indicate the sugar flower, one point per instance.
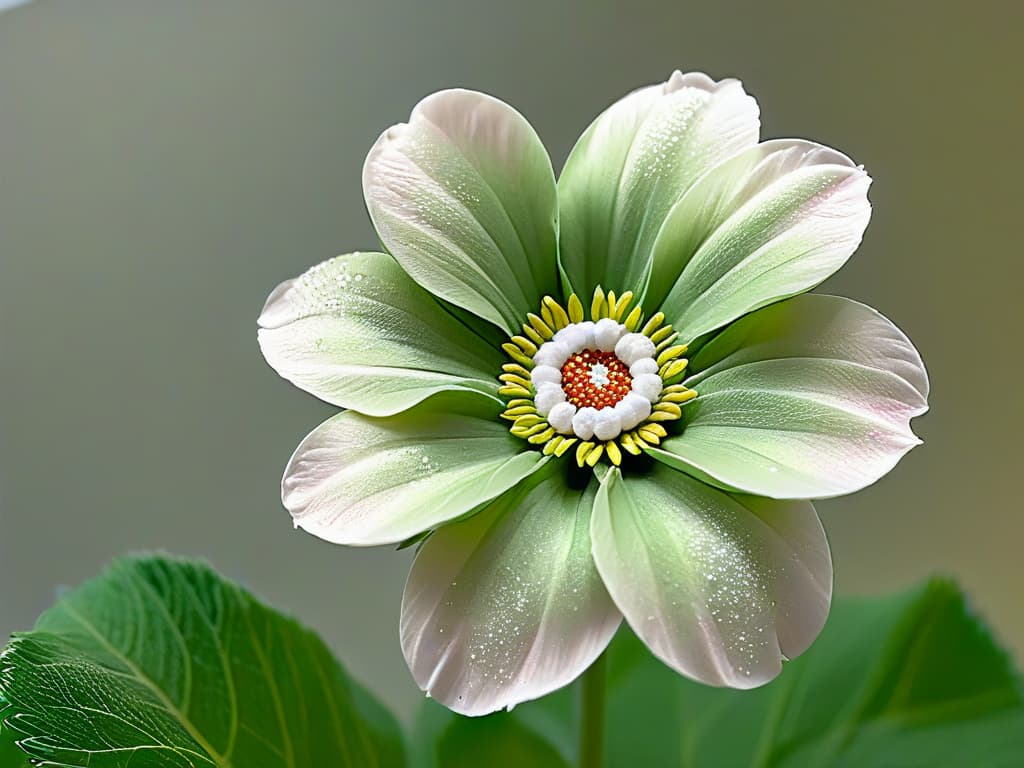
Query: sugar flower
point(607, 396)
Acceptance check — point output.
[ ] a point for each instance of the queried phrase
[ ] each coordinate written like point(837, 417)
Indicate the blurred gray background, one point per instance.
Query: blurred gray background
point(163, 165)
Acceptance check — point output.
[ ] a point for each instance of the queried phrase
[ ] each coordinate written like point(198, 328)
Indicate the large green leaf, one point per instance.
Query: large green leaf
point(161, 662)
point(908, 681)
point(10, 755)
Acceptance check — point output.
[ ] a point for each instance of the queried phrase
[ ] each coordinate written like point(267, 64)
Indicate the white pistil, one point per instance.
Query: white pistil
point(599, 375)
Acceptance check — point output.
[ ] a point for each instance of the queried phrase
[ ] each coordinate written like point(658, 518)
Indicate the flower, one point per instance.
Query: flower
point(519, 401)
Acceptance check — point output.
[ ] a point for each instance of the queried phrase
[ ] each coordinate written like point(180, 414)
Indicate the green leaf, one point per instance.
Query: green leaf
point(11, 755)
point(495, 741)
point(911, 680)
point(161, 662)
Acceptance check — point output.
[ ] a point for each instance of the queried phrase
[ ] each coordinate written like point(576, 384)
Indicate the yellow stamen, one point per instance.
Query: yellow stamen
point(546, 316)
point(559, 317)
point(540, 326)
point(527, 420)
point(575, 309)
point(594, 456)
point(527, 346)
point(513, 390)
point(680, 397)
point(626, 440)
point(621, 304)
point(672, 369)
point(614, 454)
point(535, 337)
point(540, 426)
point(657, 429)
point(542, 437)
point(565, 445)
point(597, 306)
point(648, 434)
point(520, 410)
point(670, 354)
point(661, 334)
point(512, 378)
point(582, 450)
point(652, 325)
point(634, 318)
point(551, 445)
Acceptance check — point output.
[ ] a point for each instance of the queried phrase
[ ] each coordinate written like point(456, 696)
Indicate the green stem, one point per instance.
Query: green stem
point(592, 720)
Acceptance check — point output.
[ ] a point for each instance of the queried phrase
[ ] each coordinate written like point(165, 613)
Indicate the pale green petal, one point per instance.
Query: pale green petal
point(356, 331)
point(508, 605)
point(808, 398)
point(769, 223)
point(631, 166)
point(363, 481)
point(463, 196)
point(721, 587)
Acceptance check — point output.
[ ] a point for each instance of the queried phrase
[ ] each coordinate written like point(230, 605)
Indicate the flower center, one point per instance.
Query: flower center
point(603, 384)
point(594, 378)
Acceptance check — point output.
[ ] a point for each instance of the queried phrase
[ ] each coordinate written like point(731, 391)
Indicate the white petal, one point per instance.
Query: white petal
point(463, 196)
point(648, 385)
point(607, 424)
point(545, 374)
point(574, 337)
point(560, 417)
point(553, 353)
point(634, 347)
point(365, 481)
point(589, 341)
point(807, 398)
point(607, 333)
point(583, 422)
point(642, 366)
point(632, 409)
point(720, 587)
point(769, 223)
point(507, 606)
point(357, 332)
point(633, 163)
point(547, 397)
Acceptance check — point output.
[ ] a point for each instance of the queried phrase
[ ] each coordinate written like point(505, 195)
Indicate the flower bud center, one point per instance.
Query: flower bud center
point(595, 379)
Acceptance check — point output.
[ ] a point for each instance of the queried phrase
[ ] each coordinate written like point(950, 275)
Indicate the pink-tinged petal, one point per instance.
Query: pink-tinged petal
point(508, 606)
point(771, 222)
point(721, 587)
point(809, 398)
point(463, 196)
point(365, 481)
point(634, 163)
point(357, 332)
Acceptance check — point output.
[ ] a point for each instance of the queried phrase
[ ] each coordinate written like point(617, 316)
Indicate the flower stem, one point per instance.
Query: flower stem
point(592, 720)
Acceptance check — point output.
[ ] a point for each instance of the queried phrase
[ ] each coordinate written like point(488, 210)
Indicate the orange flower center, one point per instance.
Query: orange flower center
point(596, 379)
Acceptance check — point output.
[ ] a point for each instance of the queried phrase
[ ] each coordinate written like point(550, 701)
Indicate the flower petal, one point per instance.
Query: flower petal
point(720, 587)
point(357, 332)
point(771, 222)
point(808, 398)
point(364, 481)
point(633, 163)
point(508, 605)
point(463, 196)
